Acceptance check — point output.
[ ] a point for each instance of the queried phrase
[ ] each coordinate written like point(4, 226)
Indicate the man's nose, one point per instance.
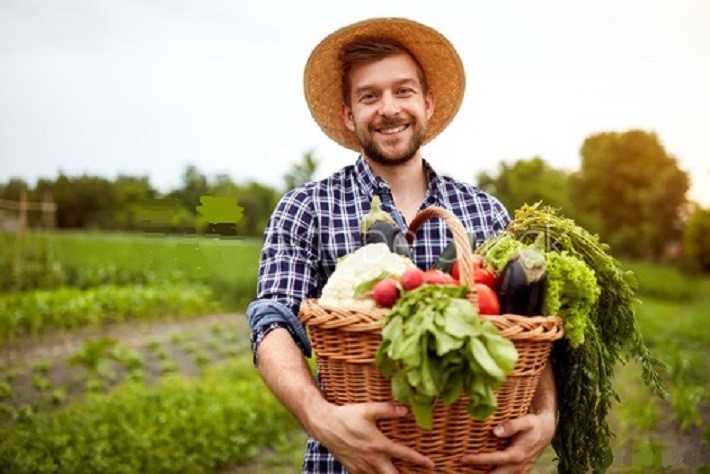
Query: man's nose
point(388, 104)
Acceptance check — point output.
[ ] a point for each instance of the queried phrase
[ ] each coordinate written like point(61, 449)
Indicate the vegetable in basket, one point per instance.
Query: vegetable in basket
point(379, 227)
point(521, 285)
point(434, 346)
point(595, 297)
point(570, 288)
point(367, 264)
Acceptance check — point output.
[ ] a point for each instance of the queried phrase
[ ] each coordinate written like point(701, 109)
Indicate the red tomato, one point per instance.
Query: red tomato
point(482, 271)
point(434, 276)
point(486, 277)
point(487, 299)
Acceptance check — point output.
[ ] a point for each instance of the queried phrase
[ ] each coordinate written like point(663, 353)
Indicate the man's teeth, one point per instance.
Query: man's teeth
point(388, 131)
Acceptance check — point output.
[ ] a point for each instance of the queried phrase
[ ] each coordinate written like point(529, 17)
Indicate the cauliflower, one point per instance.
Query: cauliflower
point(365, 264)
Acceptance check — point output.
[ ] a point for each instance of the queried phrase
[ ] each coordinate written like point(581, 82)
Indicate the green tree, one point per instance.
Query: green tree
point(132, 192)
point(223, 186)
point(696, 240)
point(258, 202)
point(527, 182)
point(194, 185)
point(83, 201)
point(630, 191)
point(13, 189)
point(301, 172)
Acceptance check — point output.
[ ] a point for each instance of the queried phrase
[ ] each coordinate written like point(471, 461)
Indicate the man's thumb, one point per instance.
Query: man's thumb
point(511, 427)
point(386, 410)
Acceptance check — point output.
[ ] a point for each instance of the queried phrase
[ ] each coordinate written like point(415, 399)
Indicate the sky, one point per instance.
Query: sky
point(147, 87)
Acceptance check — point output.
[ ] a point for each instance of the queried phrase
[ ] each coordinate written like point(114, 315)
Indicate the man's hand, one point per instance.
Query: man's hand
point(530, 434)
point(351, 434)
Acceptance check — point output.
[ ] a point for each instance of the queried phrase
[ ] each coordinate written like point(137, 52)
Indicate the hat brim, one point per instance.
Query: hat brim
point(437, 56)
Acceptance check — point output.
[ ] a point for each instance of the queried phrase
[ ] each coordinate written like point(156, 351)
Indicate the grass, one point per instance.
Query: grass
point(662, 281)
point(229, 265)
point(648, 430)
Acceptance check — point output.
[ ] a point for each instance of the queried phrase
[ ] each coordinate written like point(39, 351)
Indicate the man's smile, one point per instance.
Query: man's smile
point(392, 130)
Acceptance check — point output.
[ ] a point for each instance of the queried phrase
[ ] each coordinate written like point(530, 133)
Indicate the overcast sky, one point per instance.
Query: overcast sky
point(145, 87)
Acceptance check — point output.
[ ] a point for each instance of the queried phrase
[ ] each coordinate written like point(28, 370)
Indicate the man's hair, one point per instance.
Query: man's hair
point(367, 51)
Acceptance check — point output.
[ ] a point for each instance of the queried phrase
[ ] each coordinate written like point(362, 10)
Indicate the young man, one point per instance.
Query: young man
point(382, 87)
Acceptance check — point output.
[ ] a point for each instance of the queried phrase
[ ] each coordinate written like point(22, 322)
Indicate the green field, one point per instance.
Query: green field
point(228, 265)
point(652, 435)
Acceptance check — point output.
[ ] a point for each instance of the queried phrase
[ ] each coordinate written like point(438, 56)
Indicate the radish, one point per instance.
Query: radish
point(412, 278)
point(386, 292)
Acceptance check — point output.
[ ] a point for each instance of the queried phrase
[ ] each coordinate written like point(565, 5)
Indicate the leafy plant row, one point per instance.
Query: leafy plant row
point(36, 268)
point(87, 260)
point(102, 363)
point(196, 425)
point(41, 311)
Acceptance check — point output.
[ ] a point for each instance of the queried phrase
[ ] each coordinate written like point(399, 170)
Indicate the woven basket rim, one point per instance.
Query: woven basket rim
point(512, 326)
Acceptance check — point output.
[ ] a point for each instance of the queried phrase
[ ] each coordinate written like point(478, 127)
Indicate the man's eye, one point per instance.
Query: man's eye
point(367, 97)
point(405, 90)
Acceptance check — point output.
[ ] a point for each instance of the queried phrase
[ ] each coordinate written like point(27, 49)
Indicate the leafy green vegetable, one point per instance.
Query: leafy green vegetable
point(583, 373)
point(572, 292)
point(434, 346)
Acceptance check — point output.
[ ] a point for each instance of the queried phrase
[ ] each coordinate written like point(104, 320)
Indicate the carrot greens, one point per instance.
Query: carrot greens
point(583, 371)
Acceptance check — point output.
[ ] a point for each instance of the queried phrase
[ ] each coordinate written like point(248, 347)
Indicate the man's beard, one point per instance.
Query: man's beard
point(378, 155)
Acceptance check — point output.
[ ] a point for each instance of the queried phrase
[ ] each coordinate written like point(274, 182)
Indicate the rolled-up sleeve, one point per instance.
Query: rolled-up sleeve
point(287, 270)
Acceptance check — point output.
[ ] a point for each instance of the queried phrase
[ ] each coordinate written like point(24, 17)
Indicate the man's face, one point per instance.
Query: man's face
point(389, 111)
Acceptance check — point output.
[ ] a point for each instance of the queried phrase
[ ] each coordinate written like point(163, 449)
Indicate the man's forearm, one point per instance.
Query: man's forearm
point(545, 398)
point(285, 371)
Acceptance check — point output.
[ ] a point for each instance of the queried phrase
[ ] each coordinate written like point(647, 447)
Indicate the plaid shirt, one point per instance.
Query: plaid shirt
point(317, 223)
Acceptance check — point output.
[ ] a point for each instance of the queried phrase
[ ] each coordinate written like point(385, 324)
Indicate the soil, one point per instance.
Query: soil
point(28, 350)
point(40, 369)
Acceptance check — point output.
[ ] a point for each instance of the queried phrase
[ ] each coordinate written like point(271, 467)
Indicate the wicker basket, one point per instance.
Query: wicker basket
point(345, 342)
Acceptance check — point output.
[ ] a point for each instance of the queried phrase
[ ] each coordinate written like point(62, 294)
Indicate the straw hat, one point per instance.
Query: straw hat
point(442, 67)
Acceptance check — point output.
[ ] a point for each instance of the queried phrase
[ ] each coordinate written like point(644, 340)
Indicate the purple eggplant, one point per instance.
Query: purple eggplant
point(521, 283)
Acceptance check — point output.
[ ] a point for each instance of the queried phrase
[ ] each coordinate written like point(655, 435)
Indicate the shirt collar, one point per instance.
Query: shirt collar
point(435, 186)
point(370, 183)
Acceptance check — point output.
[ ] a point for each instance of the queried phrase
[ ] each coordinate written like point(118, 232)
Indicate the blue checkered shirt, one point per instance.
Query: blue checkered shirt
point(317, 223)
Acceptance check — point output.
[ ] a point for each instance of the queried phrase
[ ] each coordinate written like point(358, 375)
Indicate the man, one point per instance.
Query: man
point(383, 87)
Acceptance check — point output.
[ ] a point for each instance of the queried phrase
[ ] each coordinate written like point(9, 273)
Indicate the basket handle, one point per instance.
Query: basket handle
point(464, 255)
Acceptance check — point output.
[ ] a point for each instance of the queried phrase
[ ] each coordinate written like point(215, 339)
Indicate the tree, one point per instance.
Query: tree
point(194, 185)
point(302, 172)
point(82, 202)
point(696, 244)
point(258, 202)
point(13, 189)
point(527, 182)
point(630, 191)
point(131, 195)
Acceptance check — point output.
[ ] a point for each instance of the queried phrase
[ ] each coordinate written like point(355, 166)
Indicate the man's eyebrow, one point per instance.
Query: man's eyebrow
point(399, 82)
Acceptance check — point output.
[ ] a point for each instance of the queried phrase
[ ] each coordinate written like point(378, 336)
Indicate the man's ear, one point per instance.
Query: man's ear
point(430, 104)
point(347, 114)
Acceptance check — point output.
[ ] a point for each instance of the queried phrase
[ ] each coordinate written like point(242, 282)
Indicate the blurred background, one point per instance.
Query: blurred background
point(143, 146)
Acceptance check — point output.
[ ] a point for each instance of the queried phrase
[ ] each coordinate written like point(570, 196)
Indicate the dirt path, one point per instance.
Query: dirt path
point(54, 346)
